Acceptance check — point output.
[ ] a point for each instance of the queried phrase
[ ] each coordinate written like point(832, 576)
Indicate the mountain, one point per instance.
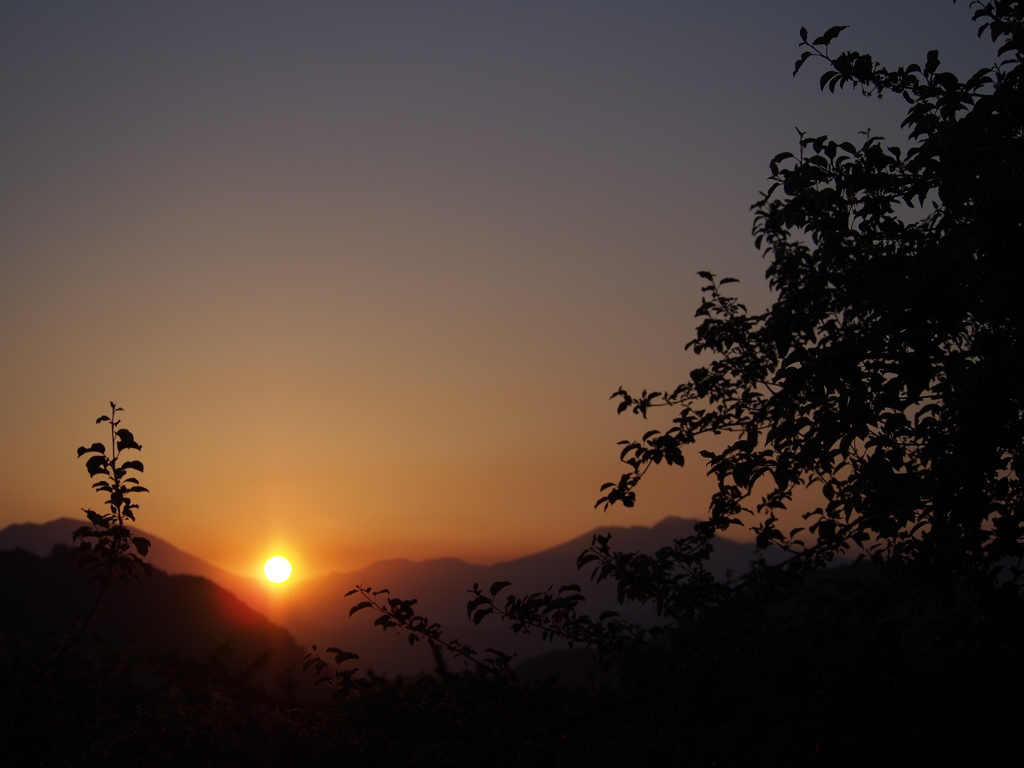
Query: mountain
point(41, 538)
point(316, 610)
point(183, 621)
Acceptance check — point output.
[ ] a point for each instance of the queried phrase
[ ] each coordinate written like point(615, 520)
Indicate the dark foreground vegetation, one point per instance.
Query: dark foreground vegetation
point(874, 412)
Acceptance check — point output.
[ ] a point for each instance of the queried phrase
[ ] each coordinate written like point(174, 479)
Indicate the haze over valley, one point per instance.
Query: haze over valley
point(316, 611)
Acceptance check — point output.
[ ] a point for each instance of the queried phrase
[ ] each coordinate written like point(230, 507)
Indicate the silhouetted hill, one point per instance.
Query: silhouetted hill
point(183, 618)
point(40, 539)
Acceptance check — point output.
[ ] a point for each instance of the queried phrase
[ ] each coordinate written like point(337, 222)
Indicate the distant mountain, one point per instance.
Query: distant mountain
point(316, 611)
point(41, 538)
point(182, 617)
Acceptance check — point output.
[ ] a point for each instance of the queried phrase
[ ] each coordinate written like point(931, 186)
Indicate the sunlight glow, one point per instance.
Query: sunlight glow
point(277, 569)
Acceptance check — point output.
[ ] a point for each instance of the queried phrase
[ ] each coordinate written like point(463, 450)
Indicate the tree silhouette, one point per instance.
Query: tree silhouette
point(875, 413)
point(886, 375)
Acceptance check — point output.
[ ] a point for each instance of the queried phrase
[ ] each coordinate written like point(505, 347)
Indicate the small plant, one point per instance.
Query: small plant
point(107, 546)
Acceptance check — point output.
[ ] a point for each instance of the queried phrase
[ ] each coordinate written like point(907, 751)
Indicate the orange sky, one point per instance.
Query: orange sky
point(363, 276)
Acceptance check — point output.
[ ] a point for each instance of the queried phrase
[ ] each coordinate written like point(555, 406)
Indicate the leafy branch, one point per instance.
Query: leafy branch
point(554, 614)
point(105, 547)
point(399, 614)
point(107, 544)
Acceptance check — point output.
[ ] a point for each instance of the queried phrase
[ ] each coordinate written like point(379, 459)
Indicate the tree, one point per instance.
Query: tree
point(886, 375)
point(874, 412)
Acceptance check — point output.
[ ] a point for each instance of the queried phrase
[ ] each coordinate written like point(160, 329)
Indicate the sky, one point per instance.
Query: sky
point(364, 275)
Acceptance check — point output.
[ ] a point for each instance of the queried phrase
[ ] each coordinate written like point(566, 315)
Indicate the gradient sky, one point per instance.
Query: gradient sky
point(364, 275)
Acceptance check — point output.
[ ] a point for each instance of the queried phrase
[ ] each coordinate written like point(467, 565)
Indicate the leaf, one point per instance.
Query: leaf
point(583, 559)
point(830, 34)
point(476, 602)
point(800, 62)
point(360, 606)
point(126, 440)
point(141, 544)
point(497, 586)
point(96, 465)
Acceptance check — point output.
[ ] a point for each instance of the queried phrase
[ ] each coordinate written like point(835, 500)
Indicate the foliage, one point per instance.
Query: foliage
point(874, 411)
point(877, 404)
point(107, 545)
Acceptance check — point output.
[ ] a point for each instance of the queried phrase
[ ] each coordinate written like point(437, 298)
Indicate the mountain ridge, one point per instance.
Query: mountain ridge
point(316, 611)
point(40, 538)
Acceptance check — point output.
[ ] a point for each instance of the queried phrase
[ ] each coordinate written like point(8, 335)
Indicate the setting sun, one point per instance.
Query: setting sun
point(277, 569)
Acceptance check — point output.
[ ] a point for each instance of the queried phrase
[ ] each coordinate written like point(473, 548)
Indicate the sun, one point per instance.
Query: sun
point(277, 569)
